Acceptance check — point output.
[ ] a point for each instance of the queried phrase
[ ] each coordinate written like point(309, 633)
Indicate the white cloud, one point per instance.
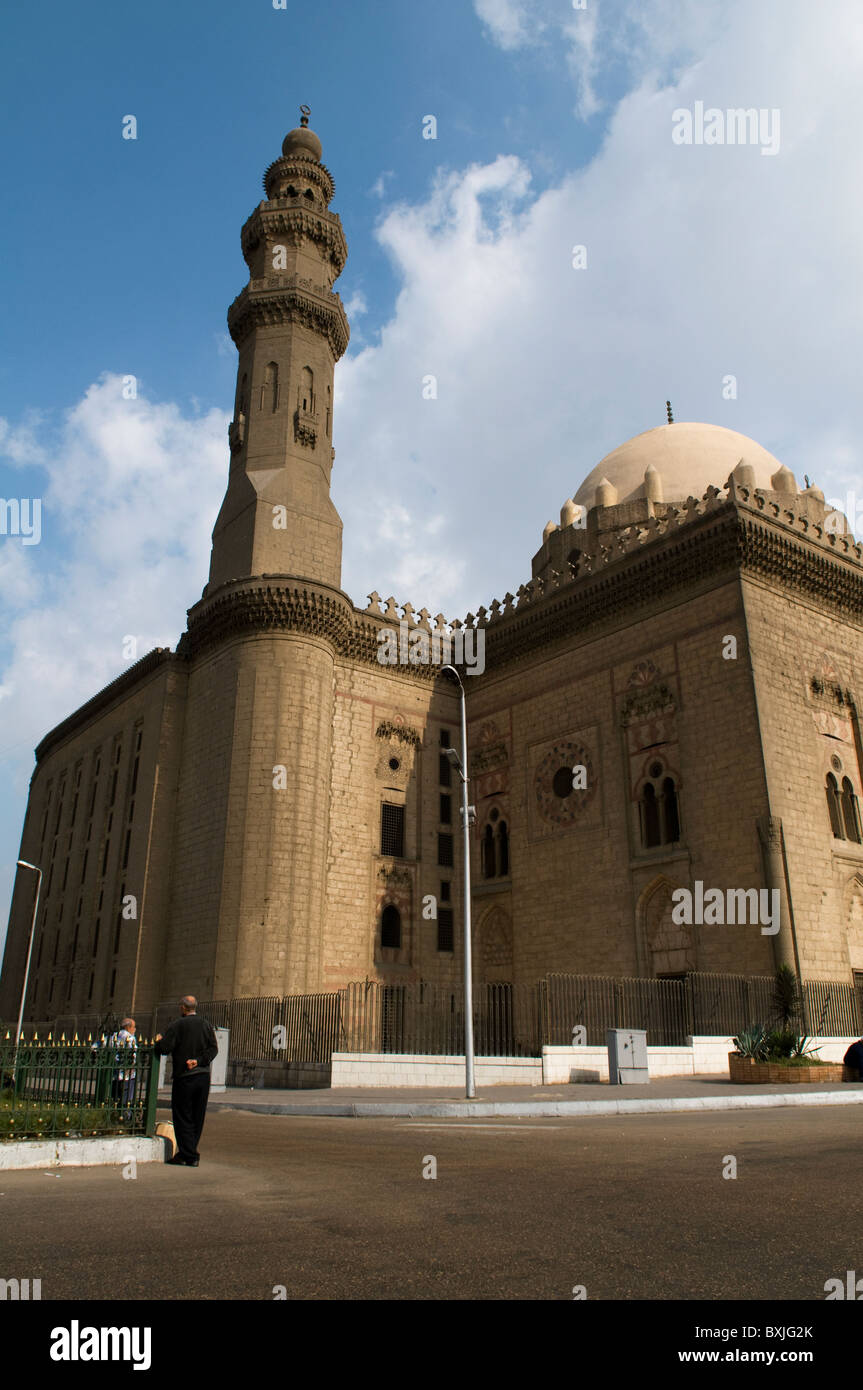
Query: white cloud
point(132, 492)
point(702, 261)
point(356, 306)
point(618, 42)
point(20, 445)
point(507, 21)
point(379, 187)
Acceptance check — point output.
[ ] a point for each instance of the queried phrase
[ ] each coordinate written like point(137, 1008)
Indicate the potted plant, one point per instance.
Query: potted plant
point(780, 1054)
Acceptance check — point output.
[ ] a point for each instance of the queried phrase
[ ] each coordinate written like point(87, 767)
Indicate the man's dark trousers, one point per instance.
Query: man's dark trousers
point(189, 1096)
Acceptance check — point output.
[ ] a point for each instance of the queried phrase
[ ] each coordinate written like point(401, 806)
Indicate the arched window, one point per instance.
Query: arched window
point(670, 812)
point(659, 808)
point(270, 388)
point(391, 927)
point(502, 850)
point(651, 834)
point(243, 396)
point(488, 853)
point(834, 807)
point(307, 391)
point(850, 812)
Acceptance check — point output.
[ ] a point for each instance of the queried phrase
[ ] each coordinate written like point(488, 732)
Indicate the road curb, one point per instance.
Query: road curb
point(80, 1153)
point(482, 1109)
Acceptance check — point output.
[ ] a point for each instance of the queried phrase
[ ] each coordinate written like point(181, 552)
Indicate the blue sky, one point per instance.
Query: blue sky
point(553, 128)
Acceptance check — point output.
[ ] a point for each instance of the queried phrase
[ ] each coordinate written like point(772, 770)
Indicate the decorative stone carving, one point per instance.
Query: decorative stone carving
point(395, 763)
point(564, 810)
point(397, 878)
point(492, 751)
point(403, 732)
point(643, 673)
point(645, 702)
point(237, 433)
point(304, 431)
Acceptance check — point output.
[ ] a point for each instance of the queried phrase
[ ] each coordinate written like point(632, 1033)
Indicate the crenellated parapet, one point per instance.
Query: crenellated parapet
point(788, 537)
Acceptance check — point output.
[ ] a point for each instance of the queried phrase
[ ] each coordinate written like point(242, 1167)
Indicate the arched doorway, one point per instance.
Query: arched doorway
point(665, 948)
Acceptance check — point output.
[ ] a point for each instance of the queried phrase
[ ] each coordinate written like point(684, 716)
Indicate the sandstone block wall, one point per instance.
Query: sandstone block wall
point(805, 733)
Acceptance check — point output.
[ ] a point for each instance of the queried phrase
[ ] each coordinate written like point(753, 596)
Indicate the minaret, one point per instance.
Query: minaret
point(248, 901)
point(290, 329)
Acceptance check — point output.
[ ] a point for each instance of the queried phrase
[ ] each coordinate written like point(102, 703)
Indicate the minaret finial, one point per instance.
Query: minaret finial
point(305, 112)
point(668, 412)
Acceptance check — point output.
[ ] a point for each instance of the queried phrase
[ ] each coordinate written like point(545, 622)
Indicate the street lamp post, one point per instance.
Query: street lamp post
point(467, 813)
point(22, 864)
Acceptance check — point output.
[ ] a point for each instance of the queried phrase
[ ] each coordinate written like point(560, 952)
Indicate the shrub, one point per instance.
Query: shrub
point(752, 1042)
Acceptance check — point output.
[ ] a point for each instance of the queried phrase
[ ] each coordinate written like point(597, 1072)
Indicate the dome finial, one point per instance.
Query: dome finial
point(668, 412)
point(302, 142)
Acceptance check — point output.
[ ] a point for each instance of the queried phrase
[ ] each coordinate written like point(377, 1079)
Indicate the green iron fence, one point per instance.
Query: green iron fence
point(76, 1090)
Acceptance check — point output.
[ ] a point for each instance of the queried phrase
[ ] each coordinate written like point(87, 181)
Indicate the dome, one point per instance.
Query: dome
point(688, 458)
point(302, 143)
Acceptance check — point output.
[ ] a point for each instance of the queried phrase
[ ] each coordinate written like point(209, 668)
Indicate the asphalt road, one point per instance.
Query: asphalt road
point(630, 1208)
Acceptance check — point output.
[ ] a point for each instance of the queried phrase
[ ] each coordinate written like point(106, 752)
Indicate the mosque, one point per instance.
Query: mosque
point(669, 702)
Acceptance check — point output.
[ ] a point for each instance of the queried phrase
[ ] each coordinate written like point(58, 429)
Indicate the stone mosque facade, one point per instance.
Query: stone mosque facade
point(269, 810)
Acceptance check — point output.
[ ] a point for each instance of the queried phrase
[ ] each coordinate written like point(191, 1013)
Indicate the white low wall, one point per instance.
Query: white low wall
point(400, 1069)
point(831, 1049)
point(702, 1056)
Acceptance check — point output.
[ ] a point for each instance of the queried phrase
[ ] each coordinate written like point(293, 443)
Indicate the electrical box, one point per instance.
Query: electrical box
point(219, 1064)
point(627, 1057)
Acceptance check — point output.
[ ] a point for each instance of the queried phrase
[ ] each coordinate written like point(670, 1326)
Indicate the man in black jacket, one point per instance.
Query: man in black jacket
point(191, 1043)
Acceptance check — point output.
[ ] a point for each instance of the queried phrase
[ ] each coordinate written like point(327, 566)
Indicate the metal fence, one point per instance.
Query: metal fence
point(832, 1008)
point(75, 1090)
point(428, 1019)
point(509, 1020)
point(596, 1003)
point(297, 1027)
point(87, 1028)
point(723, 1004)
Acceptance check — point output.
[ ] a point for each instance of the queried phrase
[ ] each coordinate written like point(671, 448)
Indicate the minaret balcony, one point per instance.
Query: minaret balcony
point(306, 428)
point(237, 433)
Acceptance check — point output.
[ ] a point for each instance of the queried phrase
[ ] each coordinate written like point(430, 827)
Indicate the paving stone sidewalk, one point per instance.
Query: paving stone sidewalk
point(667, 1094)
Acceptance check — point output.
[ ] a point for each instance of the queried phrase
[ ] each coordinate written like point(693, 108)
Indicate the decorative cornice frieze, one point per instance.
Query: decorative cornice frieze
point(291, 221)
point(707, 542)
point(708, 538)
point(276, 603)
point(267, 605)
point(714, 538)
point(262, 306)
